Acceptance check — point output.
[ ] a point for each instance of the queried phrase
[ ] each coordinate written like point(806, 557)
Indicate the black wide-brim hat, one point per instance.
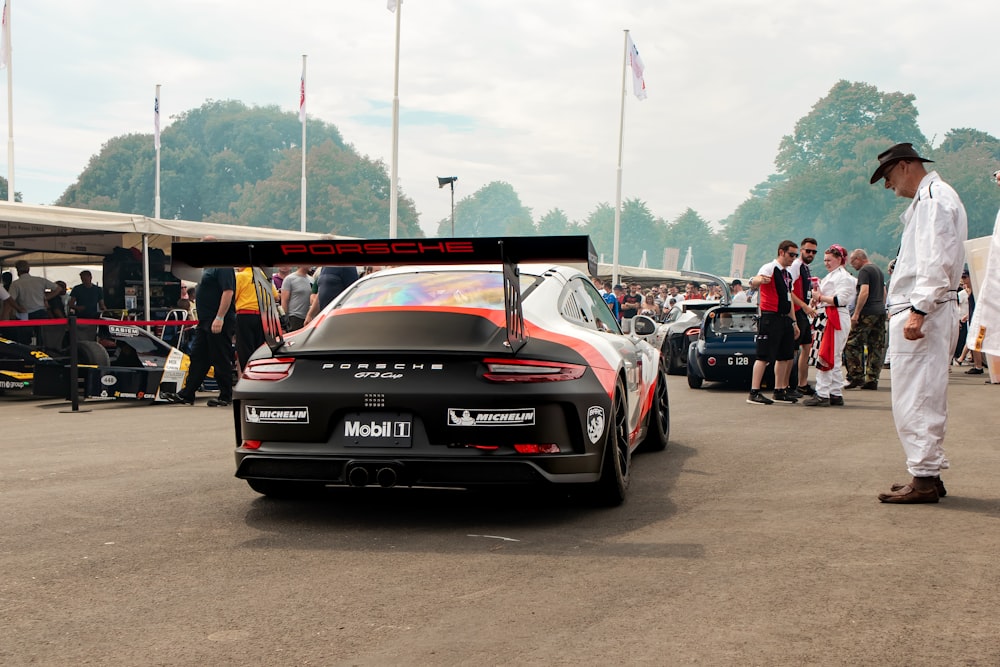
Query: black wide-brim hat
point(890, 157)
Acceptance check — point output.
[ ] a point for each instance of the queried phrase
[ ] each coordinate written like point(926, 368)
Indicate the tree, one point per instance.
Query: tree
point(690, 230)
point(554, 223)
point(493, 210)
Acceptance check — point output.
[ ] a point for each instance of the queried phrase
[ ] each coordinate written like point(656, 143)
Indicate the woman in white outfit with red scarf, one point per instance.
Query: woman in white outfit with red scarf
point(836, 292)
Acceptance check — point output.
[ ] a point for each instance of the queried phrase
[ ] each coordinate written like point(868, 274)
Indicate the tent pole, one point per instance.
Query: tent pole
point(145, 279)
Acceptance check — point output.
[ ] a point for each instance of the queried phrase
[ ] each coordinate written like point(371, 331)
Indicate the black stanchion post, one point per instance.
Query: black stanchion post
point(74, 366)
point(74, 369)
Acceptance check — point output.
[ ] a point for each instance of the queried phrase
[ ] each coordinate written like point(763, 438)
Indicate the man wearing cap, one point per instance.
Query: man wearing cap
point(923, 317)
point(739, 294)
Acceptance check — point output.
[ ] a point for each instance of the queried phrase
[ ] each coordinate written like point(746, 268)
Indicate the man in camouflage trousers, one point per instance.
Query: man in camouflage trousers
point(867, 325)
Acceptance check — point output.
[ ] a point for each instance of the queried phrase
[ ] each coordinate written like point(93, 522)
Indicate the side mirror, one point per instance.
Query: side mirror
point(643, 325)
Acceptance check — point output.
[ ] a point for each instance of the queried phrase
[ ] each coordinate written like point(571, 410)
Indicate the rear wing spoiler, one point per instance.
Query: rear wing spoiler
point(509, 251)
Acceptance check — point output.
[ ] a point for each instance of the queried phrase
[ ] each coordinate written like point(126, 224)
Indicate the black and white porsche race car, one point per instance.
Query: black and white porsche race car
point(462, 366)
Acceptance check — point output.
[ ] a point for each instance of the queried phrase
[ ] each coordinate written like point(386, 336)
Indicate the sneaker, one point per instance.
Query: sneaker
point(218, 402)
point(806, 390)
point(870, 386)
point(817, 401)
point(793, 392)
point(758, 398)
point(854, 384)
point(974, 371)
point(836, 400)
point(782, 396)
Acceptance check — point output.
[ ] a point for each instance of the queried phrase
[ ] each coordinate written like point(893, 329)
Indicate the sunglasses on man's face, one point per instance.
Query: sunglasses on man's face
point(792, 254)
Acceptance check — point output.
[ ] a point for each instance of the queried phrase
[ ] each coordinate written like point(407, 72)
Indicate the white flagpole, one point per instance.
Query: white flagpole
point(156, 145)
point(394, 177)
point(618, 189)
point(10, 100)
point(302, 117)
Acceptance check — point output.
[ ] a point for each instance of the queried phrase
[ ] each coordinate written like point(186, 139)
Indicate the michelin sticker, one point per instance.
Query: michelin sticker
point(259, 414)
point(471, 417)
point(595, 423)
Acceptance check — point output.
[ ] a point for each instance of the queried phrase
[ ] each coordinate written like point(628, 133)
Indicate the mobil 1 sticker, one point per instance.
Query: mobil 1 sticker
point(476, 417)
point(263, 414)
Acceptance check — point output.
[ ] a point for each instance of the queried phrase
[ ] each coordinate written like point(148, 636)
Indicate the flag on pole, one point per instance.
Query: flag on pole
point(302, 95)
point(5, 38)
point(156, 121)
point(635, 62)
point(391, 4)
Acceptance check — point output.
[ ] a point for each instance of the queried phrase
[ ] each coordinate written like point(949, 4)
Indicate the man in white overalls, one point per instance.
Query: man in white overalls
point(923, 317)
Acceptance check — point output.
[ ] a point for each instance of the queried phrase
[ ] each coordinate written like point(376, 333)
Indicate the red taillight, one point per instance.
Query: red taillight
point(520, 370)
point(545, 448)
point(251, 444)
point(694, 331)
point(711, 361)
point(270, 370)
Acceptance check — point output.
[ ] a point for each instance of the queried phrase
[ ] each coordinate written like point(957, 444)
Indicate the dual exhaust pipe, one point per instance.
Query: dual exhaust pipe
point(385, 475)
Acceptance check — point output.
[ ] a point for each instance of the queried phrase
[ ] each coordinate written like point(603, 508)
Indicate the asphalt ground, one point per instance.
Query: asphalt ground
point(755, 539)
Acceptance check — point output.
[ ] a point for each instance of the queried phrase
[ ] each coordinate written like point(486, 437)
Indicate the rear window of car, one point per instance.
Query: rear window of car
point(727, 321)
point(457, 289)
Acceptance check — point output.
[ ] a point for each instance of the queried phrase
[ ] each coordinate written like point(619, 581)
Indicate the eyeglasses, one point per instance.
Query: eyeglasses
point(792, 254)
point(810, 251)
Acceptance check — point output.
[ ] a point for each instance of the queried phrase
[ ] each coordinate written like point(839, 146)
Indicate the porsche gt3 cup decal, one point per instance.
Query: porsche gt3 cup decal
point(595, 423)
point(471, 417)
point(259, 414)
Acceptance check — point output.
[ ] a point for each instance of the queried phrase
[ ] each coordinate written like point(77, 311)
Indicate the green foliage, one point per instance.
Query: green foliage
point(493, 210)
point(3, 191)
point(822, 187)
point(225, 162)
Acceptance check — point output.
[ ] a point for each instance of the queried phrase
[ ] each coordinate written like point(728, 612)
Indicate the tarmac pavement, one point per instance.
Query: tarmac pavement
point(755, 539)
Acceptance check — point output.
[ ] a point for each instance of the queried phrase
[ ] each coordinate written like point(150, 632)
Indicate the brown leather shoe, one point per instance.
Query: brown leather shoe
point(938, 484)
point(907, 495)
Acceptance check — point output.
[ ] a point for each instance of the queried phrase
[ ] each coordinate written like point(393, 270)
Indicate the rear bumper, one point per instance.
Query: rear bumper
point(471, 468)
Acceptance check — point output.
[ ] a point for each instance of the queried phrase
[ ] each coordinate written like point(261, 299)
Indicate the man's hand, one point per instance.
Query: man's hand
point(913, 326)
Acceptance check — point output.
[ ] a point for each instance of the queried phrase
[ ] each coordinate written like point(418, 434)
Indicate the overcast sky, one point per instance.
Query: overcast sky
point(521, 91)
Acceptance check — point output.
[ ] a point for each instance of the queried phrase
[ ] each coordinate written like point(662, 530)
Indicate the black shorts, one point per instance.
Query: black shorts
point(805, 329)
point(775, 338)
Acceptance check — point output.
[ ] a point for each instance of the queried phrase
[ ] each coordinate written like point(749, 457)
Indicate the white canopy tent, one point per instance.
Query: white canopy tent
point(58, 236)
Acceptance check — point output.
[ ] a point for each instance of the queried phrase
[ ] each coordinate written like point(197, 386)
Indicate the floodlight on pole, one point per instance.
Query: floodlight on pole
point(449, 180)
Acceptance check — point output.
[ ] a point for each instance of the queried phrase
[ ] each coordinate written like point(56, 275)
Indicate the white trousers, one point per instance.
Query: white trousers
point(920, 387)
point(831, 382)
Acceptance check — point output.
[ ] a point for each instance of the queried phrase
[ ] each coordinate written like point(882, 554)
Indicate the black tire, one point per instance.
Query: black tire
point(658, 433)
point(673, 363)
point(92, 353)
point(282, 489)
point(695, 381)
point(611, 488)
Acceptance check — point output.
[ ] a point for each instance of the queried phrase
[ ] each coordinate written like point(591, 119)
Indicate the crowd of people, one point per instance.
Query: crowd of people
point(229, 327)
point(655, 302)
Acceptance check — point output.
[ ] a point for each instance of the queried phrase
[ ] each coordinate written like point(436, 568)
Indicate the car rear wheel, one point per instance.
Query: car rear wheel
point(92, 353)
point(658, 432)
point(694, 381)
point(610, 489)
